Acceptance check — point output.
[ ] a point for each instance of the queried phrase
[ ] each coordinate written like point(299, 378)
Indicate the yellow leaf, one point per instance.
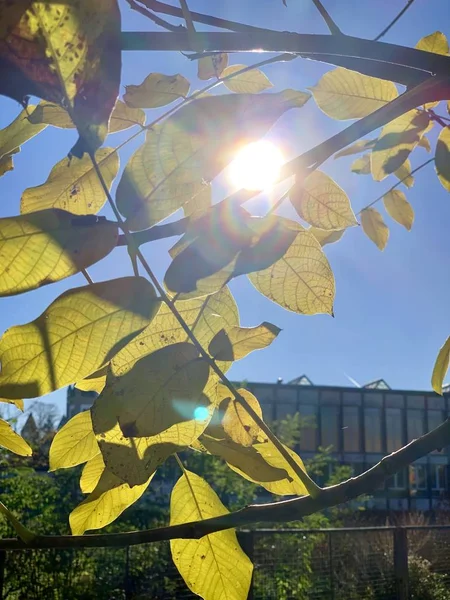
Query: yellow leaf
point(425, 143)
point(441, 367)
point(123, 117)
point(73, 185)
point(361, 166)
point(198, 205)
point(162, 389)
point(302, 280)
point(156, 90)
point(435, 42)
point(95, 382)
point(356, 148)
point(18, 132)
point(77, 334)
point(250, 82)
point(6, 163)
point(398, 207)
point(214, 567)
point(17, 403)
point(92, 471)
point(404, 174)
point(322, 203)
point(191, 148)
point(343, 94)
point(205, 317)
point(326, 237)
point(211, 66)
point(23, 532)
point(105, 504)
point(237, 423)
point(442, 158)
point(374, 227)
point(397, 139)
point(50, 245)
point(50, 113)
point(12, 441)
point(74, 444)
point(236, 342)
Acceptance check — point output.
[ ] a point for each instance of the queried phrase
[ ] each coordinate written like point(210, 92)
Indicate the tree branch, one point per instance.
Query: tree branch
point(277, 512)
point(157, 20)
point(334, 29)
point(394, 21)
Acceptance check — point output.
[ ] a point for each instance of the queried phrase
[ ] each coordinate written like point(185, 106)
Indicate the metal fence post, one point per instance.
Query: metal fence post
point(247, 542)
point(2, 572)
point(401, 563)
point(331, 566)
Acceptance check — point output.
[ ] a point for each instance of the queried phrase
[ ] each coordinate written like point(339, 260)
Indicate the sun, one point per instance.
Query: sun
point(257, 166)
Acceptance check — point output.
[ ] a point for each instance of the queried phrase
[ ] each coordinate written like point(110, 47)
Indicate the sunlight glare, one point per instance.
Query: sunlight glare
point(257, 166)
point(201, 413)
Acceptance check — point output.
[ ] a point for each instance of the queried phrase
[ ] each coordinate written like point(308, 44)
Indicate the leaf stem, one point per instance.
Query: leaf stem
point(87, 276)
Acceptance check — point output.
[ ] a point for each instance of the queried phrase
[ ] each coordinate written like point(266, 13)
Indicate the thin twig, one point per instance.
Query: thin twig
point(394, 21)
point(276, 512)
point(157, 20)
point(87, 276)
point(429, 161)
point(334, 29)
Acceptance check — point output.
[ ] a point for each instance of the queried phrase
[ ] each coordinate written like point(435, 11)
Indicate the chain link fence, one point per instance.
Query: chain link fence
point(383, 563)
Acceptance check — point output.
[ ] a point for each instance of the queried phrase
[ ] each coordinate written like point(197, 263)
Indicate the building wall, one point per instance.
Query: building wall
point(78, 401)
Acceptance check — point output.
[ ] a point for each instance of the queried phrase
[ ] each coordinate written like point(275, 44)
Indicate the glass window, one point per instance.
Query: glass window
point(282, 410)
point(352, 429)
point(435, 418)
point(397, 481)
point(267, 411)
point(394, 429)
point(329, 416)
point(436, 403)
point(284, 394)
point(330, 397)
point(264, 393)
point(373, 399)
point(394, 400)
point(308, 433)
point(438, 476)
point(372, 429)
point(308, 396)
point(416, 402)
point(418, 477)
point(415, 423)
point(351, 398)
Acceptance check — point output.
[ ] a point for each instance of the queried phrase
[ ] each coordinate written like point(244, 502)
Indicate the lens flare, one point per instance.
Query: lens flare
point(201, 413)
point(257, 166)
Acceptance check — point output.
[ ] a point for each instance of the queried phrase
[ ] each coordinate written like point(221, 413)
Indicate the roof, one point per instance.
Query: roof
point(378, 384)
point(302, 380)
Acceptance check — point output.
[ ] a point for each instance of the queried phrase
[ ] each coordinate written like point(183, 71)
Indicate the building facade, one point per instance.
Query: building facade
point(361, 425)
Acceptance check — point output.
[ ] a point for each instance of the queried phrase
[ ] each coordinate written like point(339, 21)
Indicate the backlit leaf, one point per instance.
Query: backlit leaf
point(302, 280)
point(50, 245)
point(442, 158)
point(236, 342)
point(343, 94)
point(397, 139)
point(92, 471)
point(23, 532)
point(250, 82)
point(237, 423)
point(398, 207)
point(199, 204)
point(105, 503)
point(77, 334)
point(73, 185)
point(425, 143)
point(211, 66)
point(66, 53)
point(94, 382)
point(17, 403)
point(321, 202)
point(404, 174)
point(51, 114)
point(12, 441)
point(356, 148)
point(163, 389)
point(6, 164)
point(374, 227)
point(441, 367)
point(361, 166)
point(326, 237)
point(18, 132)
point(214, 567)
point(190, 149)
point(156, 90)
point(74, 444)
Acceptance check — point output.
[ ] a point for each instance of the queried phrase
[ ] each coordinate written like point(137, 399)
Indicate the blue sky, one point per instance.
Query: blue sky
point(392, 307)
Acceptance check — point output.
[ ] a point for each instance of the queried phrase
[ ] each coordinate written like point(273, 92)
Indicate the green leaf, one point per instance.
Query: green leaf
point(302, 280)
point(162, 389)
point(321, 202)
point(204, 316)
point(404, 174)
point(356, 148)
point(361, 166)
point(326, 237)
point(73, 185)
point(214, 567)
point(397, 140)
point(398, 207)
point(156, 90)
point(74, 444)
point(236, 342)
point(374, 227)
point(92, 471)
point(77, 334)
point(105, 504)
point(190, 149)
point(211, 66)
point(12, 441)
point(343, 94)
point(76, 65)
point(250, 82)
point(442, 158)
point(18, 132)
point(50, 245)
point(441, 367)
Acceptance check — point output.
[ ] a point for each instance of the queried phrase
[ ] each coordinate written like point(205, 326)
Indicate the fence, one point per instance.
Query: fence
point(380, 563)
